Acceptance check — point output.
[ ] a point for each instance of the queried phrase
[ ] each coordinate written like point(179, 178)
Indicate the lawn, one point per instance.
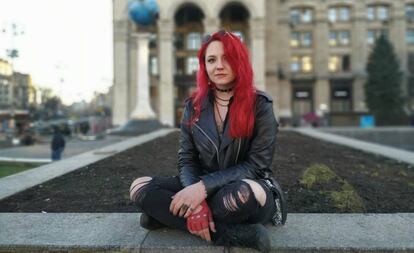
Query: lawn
point(9, 168)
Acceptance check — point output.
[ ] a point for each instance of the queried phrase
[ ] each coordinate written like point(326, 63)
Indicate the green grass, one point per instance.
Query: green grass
point(9, 168)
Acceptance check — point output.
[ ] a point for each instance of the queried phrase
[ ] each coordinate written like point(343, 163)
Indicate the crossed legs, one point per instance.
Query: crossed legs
point(237, 202)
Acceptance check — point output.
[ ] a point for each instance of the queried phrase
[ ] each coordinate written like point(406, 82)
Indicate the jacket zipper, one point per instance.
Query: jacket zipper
point(218, 158)
point(238, 151)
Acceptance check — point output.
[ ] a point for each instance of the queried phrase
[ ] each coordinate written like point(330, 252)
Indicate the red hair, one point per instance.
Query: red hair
point(241, 112)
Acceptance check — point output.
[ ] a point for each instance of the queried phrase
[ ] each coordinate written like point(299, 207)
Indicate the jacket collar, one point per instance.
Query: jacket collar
point(208, 124)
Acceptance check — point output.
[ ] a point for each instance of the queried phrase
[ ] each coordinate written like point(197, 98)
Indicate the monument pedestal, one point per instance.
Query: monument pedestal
point(143, 118)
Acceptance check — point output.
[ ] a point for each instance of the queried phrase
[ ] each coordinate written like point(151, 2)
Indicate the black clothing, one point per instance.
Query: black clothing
point(58, 142)
point(221, 163)
point(202, 156)
point(154, 199)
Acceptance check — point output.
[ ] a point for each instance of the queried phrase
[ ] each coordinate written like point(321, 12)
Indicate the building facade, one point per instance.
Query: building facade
point(310, 55)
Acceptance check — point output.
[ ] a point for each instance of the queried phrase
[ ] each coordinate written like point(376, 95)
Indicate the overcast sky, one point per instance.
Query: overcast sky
point(71, 39)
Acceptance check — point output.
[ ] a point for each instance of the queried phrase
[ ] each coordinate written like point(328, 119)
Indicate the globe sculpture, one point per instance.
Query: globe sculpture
point(143, 12)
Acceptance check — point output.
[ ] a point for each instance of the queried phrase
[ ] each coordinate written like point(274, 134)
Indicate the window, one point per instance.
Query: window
point(179, 65)
point(301, 64)
point(410, 36)
point(179, 41)
point(301, 15)
point(341, 14)
point(378, 12)
point(370, 13)
point(339, 63)
point(341, 95)
point(295, 64)
point(341, 100)
point(344, 37)
point(307, 16)
point(373, 35)
point(301, 39)
point(332, 15)
point(307, 64)
point(344, 14)
point(153, 65)
point(193, 41)
point(294, 39)
point(333, 63)
point(295, 16)
point(192, 65)
point(306, 39)
point(409, 12)
point(339, 38)
point(333, 38)
point(382, 13)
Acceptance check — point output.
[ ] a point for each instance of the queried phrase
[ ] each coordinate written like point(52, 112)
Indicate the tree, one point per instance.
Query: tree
point(383, 87)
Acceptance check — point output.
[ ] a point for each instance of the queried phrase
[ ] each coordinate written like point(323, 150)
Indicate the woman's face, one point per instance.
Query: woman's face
point(218, 68)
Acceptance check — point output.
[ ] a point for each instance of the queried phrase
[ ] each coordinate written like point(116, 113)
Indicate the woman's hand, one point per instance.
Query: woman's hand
point(200, 222)
point(185, 201)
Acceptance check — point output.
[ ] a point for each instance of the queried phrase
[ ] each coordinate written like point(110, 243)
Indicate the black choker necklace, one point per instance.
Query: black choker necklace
point(223, 90)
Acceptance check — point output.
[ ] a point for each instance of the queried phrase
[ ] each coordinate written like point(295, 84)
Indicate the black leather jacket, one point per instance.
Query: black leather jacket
point(201, 156)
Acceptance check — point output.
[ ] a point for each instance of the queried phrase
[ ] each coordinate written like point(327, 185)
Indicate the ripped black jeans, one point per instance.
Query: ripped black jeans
point(233, 203)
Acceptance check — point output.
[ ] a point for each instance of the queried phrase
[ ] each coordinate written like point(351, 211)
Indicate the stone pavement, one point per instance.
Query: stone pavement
point(41, 152)
point(21, 181)
point(378, 149)
point(120, 232)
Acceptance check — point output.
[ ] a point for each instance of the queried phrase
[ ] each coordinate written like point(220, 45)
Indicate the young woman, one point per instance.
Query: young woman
point(225, 191)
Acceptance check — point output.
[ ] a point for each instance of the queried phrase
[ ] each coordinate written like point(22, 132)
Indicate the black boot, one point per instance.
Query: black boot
point(243, 235)
point(149, 223)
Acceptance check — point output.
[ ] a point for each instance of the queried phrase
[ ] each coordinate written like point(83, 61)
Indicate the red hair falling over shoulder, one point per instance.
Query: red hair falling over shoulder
point(241, 113)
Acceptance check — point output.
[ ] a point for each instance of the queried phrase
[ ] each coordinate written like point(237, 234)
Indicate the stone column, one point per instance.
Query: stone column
point(359, 56)
point(211, 25)
point(121, 72)
point(398, 34)
point(166, 84)
point(282, 47)
point(257, 33)
point(143, 108)
point(321, 91)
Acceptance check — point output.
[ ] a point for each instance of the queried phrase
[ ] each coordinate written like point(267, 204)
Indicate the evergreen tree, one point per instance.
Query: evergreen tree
point(383, 87)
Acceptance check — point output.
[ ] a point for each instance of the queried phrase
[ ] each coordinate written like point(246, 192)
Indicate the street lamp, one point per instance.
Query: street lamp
point(13, 30)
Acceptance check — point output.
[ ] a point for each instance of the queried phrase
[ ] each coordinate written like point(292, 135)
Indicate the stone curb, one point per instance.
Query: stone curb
point(120, 232)
point(390, 152)
point(21, 181)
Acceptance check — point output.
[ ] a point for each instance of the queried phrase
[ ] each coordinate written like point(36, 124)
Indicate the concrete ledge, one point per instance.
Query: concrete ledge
point(378, 149)
point(21, 181)
point(120, 232)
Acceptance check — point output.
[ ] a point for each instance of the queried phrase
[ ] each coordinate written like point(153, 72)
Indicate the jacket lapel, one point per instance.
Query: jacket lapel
point(207, 121)
point(226, 136)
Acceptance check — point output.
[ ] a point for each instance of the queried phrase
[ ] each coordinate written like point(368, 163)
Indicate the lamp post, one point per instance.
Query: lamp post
point(13, 30)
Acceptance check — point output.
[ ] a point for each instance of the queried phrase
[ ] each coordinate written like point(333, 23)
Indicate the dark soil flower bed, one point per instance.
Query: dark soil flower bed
point(316, 176)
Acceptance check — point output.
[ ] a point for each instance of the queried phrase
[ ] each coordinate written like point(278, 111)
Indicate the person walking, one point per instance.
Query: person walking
point(58, 144)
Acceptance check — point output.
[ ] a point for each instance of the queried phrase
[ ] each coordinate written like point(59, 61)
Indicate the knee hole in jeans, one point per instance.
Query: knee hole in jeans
point(239, 196)
point(137, 191)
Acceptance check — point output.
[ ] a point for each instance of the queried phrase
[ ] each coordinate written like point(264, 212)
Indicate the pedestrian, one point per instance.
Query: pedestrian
point(58, 144)
point(225, 191)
